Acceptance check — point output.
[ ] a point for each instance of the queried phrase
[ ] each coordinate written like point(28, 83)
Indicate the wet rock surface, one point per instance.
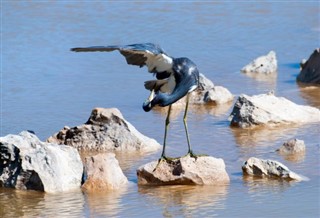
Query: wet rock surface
point(102, 172)
point(267, 109)
point(310, 69)
point(106, 129)
point(269, 168)
point(204, 170)
point(28, 163)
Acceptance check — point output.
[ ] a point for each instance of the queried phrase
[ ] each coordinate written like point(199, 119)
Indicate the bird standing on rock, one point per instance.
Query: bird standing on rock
point(176, 78)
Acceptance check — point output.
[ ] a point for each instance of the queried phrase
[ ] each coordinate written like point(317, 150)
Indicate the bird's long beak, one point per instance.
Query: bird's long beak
point(147, 104)
point(151, 96)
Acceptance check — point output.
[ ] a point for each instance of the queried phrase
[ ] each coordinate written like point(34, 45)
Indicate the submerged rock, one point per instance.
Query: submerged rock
point(204, 170)
point(267, 109)
point(262, 65)
point(102, 172)
point(310, 69)
point(292, 146)
point(28, 163)
point(269, 168)
point(106, 129)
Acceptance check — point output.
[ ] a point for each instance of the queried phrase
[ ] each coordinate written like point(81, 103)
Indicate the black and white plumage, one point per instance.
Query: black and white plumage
point(176, 77)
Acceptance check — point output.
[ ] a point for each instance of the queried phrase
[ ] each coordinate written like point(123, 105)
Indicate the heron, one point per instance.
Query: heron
point(176, 78)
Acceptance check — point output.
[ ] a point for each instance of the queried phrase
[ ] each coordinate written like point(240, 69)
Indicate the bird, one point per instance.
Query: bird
point(175, 78)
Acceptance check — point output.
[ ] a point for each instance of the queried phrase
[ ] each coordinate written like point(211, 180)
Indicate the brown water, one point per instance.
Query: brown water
point(45, 87)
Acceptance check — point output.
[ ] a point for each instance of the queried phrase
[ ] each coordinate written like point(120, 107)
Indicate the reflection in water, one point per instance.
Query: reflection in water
point(265, 135)
point(38, 204)
point(104, 204)
point(296, 157)
point(199, 109)
point(260, 186)
point(311, 94)
point(186, 201)
point(270, 79)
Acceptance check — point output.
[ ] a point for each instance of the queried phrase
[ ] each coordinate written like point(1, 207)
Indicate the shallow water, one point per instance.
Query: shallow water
point(44, 87)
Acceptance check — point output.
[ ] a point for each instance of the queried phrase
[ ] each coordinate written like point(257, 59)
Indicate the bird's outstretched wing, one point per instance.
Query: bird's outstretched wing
point(143, 54)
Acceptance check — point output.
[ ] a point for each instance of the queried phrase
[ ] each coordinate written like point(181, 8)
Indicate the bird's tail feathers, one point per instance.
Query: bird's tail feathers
point(154, 84)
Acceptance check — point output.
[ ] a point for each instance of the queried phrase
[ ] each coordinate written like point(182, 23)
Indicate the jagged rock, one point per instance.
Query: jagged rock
point(204, 170)
point(269, 168)
point(106, 129)
point(310, 69)
point(207, 92)
point(28, 163)
point(292, 146)
point(267, 109)
point(102, 172)
point(204, 83)
point(262, 65)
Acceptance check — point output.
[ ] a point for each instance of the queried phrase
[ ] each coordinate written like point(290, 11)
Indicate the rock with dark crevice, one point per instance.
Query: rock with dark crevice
point(204, 170)
point(270, 169)
point(28, 163)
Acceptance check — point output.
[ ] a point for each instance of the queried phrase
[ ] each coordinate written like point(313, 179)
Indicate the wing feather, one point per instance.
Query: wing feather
point(140, 55)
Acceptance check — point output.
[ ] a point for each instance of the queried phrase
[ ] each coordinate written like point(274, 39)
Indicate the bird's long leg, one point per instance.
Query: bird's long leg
point(186, 126)
point(163, 155)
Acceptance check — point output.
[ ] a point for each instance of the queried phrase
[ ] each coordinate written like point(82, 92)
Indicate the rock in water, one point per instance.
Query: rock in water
point(106, 129)
point(271, 110)
point(292, 146)
point(218, 95)
point(102, 172)
point(208, 93)
point(204, 170)
point(310, 70)
point(262, 65)
point(269, 168)
point(28, 163)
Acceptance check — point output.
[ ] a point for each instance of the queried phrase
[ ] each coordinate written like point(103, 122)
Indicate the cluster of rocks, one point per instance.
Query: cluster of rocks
point(55, 165)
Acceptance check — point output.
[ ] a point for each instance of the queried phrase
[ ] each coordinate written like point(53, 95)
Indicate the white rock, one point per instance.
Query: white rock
point(102, 172)
point(292, 146)
point(262, 65)
point(28, 163)
point(269, 168)
point(267, 109)
point(218, 95)
point(106, 129)
point(204, 170)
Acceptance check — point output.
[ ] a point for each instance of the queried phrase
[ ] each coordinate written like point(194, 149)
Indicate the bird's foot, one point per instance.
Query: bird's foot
point(195, 156)
point(166, 159)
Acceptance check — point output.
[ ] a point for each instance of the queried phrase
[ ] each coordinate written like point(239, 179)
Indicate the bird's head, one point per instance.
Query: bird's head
point(147, 106)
